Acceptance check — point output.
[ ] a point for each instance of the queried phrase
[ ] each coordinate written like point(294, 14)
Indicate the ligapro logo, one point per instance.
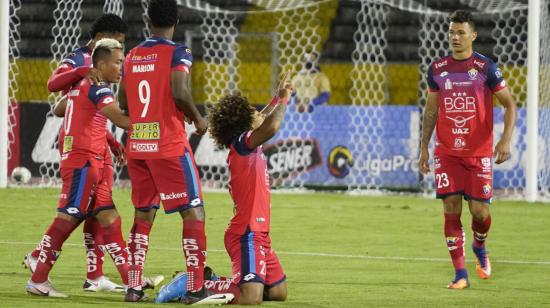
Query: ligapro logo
point(172, 196)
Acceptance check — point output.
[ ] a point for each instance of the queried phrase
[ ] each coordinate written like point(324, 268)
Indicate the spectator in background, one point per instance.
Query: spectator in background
point(312, 86)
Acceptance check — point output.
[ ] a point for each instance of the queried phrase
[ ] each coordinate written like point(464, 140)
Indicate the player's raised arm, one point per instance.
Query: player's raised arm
point(272, 122)
point(273, 103)
point(428, 126)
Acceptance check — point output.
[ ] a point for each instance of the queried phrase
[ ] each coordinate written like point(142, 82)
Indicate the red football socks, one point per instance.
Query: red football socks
point(50, 247)
point(481, 229)
point(223, 285)
point(116, 247)
point(454, 235)
point(138, 244)
point(194, 250)
point(92, 242)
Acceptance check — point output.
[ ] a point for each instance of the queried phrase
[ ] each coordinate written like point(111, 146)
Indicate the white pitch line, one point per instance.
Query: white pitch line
point(324, 255)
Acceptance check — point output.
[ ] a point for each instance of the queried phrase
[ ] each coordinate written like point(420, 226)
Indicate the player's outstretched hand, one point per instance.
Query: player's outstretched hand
point(285, 87)
point(201, 126)
point(502, 151)
point(423, 163)
point(93, 76)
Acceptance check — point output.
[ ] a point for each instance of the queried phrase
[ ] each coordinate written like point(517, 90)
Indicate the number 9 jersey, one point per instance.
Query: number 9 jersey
point(157, 128)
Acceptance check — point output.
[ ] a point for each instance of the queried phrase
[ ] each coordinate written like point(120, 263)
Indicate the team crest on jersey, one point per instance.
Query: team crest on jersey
point(486, 189)
point(472, 74)
point(486, 162)
point(460, 143)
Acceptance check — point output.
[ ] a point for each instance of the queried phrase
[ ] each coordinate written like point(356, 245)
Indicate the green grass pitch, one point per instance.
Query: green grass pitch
point(337, 251)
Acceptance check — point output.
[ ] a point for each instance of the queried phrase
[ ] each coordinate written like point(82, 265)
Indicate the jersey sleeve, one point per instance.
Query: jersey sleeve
point(495, 81)
point(182, 59)
point(241, 143)
point(101, 95)
point(72, 60)
point(432, 85)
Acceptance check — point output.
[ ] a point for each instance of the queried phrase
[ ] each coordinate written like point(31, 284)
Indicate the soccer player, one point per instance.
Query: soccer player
point(83, 168)
point(73, 68)
point(236, 125)
point(460, 108)
point(161, 166)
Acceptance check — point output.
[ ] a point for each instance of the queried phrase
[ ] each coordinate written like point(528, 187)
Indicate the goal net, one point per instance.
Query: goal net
point(375, 55)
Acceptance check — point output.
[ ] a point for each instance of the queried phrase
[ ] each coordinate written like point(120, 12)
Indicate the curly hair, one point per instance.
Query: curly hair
point(163, 13)
point(460, 16)
point(108, 23)
point(229, 118)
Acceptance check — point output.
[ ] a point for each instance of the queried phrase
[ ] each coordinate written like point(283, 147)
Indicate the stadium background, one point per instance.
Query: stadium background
point(375, 54)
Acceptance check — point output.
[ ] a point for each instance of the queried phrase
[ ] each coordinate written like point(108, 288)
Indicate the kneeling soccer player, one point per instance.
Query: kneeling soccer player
point(236, 125)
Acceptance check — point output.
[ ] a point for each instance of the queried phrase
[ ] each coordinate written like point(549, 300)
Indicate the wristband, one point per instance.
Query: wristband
point(273, 102)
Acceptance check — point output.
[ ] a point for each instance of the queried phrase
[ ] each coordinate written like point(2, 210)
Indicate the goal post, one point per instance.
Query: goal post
point(374, 52)
point(4, 84)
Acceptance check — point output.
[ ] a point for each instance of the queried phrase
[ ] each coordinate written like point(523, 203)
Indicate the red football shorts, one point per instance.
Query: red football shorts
point(103, 198)
point(85, 190)
point(174, 181)
point(471, 177)
point(252, 259)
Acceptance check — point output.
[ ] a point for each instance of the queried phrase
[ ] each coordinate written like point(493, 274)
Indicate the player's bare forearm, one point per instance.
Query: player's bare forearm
point(59, 108)
point(116, 115)
point(122, 102)
point(429, 120)
point(269, 107)
point(269, 126)
point(182, 95)
point(428, 126)
point(505, 98)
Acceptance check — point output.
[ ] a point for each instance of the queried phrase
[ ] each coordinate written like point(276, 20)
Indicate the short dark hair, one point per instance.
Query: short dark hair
point(163, 13)
point(103, 48)
point(229, 118)
point(108, 23)
point(460, 16)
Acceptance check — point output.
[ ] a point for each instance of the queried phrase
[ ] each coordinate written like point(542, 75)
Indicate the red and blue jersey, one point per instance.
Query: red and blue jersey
point(84, 126)
point(80, 57)
point(465, 119)
point(156, 129)
point(249, 187)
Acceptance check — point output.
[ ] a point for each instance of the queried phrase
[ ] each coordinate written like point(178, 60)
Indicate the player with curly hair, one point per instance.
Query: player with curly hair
point(257, 274)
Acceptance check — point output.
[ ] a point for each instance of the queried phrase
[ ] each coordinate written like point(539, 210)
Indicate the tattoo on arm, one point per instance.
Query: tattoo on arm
point(428, 124)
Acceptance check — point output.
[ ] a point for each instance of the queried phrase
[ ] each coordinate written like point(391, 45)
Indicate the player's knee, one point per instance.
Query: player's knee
point(148, 215)
point(107, 217)
point(277, 293)
point(479, 212)
point(250, 300)
point(453, 204)
point(196, 213)
point(74, 218)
